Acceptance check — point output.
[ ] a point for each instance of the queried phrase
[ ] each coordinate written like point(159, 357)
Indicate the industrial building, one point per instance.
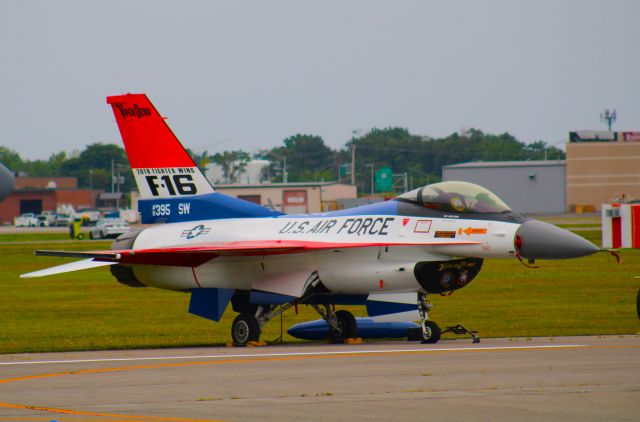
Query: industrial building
point(537, 187)
point(292, 198)
point(602, 167)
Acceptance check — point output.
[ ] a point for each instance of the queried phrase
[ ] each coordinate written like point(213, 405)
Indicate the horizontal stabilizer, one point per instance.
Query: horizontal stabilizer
point(66, 268)
point(102, 256)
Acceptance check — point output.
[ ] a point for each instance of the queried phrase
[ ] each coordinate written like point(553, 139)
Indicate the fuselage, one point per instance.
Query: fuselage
point(368, 253)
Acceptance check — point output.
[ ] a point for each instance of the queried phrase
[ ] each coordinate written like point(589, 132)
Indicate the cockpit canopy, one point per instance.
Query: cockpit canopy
point(456, 197)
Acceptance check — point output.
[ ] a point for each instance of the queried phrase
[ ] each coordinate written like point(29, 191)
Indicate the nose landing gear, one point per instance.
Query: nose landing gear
point(430, 332)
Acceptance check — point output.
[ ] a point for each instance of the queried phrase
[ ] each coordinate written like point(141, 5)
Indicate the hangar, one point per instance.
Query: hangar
point(38, 194)
point(537, 187)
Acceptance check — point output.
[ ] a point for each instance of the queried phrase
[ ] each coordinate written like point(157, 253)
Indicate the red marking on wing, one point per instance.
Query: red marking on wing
point(195, 255)
point(147, 138)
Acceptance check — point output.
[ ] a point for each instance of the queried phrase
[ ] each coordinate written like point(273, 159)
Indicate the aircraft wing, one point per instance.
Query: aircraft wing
point(197, 254)
point(85, 264)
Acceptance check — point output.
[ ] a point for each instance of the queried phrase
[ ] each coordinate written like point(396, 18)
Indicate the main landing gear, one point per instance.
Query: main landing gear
point(430, 332)
point(247, 327)
point(342, 324)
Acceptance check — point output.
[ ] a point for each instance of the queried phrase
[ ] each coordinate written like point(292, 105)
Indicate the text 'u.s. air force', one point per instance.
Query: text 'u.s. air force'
point(356, 226)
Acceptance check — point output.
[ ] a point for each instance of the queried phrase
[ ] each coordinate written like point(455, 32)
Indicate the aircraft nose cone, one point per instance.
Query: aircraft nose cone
point(538, 240)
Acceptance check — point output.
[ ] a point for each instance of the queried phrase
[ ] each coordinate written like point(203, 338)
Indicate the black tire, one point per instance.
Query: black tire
point(80, 236)
point(433, 332)
point(348, 325)
point(90, 235)
point(638, 303)
point(245, 328)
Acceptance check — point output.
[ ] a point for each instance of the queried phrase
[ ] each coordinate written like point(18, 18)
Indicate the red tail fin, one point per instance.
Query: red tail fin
point(161, 165)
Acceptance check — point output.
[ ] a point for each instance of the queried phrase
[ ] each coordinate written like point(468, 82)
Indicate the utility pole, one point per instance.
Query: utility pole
point(608, 117)
point(372, 184)
point(285, 176)
point(112, 176)
point(93, 202)
point(353, 163)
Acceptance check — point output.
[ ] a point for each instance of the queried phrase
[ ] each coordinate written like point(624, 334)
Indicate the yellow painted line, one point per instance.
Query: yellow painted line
point(101, 415)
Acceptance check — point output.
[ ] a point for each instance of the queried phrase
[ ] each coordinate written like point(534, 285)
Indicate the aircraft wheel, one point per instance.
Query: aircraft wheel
point(245, 328)
point(433, 332)
point(347, 322)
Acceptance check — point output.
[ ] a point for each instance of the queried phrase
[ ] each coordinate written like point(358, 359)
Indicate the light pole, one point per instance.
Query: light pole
point(608, 117)
point(372, 185)
point(353, 155)
point(285, 176)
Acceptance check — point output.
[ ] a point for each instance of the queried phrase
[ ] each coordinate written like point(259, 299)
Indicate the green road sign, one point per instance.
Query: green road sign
point(384, 179)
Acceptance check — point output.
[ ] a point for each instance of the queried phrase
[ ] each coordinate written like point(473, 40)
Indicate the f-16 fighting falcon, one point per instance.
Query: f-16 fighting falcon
point(387, 256)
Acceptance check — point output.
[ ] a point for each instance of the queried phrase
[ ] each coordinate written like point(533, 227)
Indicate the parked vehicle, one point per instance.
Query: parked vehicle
point(108, 227)
point(50, 216)
point(89, 215)
point(63, 220)
point(26, 220)
point(43, 220)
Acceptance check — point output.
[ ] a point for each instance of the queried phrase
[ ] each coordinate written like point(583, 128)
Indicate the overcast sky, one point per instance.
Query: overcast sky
point(247, 74)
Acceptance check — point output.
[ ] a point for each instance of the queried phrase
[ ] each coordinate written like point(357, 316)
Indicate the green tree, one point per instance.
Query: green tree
point(308, 159)
point(11, 159)
point(233, 163)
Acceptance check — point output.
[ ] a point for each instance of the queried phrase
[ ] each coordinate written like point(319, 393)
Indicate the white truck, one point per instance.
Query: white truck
point(27, 219)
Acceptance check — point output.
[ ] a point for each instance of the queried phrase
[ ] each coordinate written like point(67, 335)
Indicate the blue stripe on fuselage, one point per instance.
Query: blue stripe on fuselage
point(379, 208)
point(201, 207)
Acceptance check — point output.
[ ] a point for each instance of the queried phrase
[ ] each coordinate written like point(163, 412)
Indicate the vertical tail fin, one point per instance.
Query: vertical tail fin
point(160, 164)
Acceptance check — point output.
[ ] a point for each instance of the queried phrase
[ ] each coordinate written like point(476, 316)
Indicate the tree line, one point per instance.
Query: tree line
point(307, 158)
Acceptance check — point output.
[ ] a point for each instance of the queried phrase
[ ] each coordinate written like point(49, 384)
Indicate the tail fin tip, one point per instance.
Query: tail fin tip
point(161, 165)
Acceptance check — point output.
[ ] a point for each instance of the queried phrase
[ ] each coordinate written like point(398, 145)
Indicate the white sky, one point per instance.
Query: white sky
point(247, 74)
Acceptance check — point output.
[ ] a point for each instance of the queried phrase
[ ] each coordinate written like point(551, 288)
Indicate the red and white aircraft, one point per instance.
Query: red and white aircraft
point(388, 256)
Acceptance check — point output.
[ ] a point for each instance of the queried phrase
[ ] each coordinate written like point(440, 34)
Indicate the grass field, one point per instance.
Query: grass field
point(90, 310)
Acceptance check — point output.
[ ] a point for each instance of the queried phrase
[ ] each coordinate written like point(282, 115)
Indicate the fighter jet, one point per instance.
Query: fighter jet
point(387, 256)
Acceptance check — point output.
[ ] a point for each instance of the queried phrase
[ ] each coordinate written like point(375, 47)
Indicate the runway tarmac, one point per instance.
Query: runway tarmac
point(564, 378)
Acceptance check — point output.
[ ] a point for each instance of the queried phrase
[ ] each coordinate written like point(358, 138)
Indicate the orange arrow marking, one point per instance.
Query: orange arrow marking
point(472, 230)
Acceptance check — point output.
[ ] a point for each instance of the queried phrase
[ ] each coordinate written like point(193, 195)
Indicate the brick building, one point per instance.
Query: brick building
point(38, 194)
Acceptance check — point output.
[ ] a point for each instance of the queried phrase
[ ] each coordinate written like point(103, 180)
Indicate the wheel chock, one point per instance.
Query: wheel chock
point(256, 344)
point(354, 340)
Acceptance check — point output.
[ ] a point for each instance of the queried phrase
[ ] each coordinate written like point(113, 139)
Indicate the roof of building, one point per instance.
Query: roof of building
point(47, 182)
point(106, 196)
point(487, 164)
point(276, 185)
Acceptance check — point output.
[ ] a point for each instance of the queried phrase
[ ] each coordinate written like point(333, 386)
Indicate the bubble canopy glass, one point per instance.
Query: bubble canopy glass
point(456, 197)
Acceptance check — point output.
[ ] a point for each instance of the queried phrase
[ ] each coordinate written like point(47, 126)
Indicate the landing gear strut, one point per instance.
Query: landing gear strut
point(342, 324)
point(430, 331)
